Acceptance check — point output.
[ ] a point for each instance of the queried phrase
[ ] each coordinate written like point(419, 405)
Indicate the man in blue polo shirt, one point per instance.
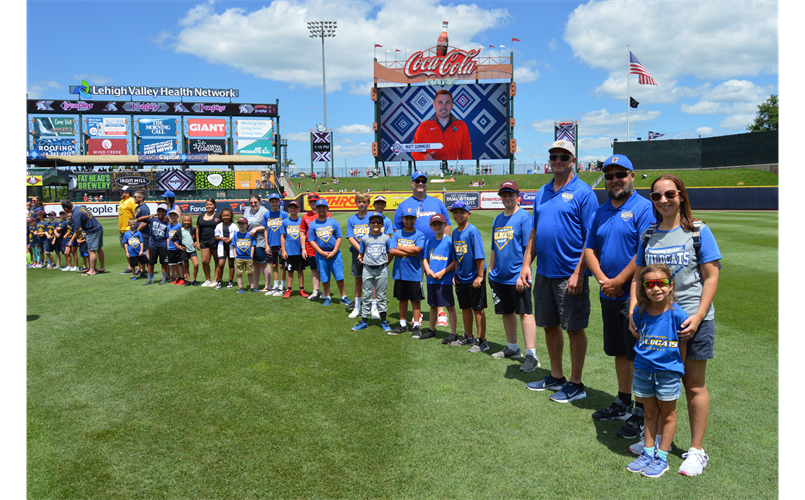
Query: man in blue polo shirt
point(83, 219)
point(610, 255)
point(563, 212)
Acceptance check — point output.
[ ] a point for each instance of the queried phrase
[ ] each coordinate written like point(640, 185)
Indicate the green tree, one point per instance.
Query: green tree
point(766, 118)
point(287, 162)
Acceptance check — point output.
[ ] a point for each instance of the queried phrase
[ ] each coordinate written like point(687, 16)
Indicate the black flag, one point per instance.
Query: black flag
point(632, 102)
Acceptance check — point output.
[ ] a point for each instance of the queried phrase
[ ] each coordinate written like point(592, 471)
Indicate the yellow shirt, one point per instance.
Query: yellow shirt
point(125, 211)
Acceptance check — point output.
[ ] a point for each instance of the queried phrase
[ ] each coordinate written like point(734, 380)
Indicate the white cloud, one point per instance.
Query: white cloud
point(297, 136)
point(588, 143)
point(602, 122)
point(553, 44)
point(543, 126)
point(520, 150)
point(353, 151)
point(357, 128)
point(737, 122)
point(345, 141)
point(250, 41)
point(705, 131)
point(731, 97)
point(45, 89)
point(92, 79)
point(524, 73)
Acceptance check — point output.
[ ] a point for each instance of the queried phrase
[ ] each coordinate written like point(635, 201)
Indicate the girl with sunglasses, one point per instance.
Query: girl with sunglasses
point(658, 366)
point(695, 267)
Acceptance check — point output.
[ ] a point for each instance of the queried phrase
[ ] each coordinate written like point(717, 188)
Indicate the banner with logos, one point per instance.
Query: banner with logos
point(135, 180)
point(107, 147)
point(62, 147)
point(256, 147)
point(157, 127)
point(346, 201)
point(128, 107)
point(90, 181)
point(33, 180)
point(215, 180)
point(254, 128)
point(471, 199)
point(206, 127)
point(176, 180)
point(53, 126)
point(207, 146)
point(109, 125)
point(147, 146)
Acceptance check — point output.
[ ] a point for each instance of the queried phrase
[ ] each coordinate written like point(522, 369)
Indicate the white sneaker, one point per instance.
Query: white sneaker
point(695, 462)
point(355, 313)
point(74, 268)
point(315, 295)
point(442, 321)
point(637, 448)
point(277, 292)
point(208, 283)
point(65, 268)
point(375, 313)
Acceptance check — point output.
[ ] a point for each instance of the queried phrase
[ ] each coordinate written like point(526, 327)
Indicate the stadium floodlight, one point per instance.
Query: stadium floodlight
point(323, 29)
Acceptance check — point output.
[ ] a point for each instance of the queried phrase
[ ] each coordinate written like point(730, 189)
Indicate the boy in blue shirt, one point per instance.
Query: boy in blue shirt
point(357, 228)
point(470, 279)
point(50, 239)
point(439, 263)
point(324, 235)
point(272, 222)
point(244, 252)
point(407, 244)
point(134, 245)
point(157, 244)
point(511, 297)
point(175, 265)
point(291, 244)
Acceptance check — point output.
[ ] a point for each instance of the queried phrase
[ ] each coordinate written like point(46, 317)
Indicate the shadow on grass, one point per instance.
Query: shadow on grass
point(33, 317)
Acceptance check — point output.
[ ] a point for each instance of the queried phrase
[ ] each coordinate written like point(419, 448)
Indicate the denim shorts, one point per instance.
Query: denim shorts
point(665, 385)
point(326, 267)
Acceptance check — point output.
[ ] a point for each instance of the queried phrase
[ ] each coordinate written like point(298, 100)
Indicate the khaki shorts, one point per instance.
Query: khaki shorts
point(244, 266)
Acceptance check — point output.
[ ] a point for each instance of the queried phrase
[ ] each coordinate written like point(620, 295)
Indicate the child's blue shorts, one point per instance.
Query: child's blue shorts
point(334, 265)
point(665, 385)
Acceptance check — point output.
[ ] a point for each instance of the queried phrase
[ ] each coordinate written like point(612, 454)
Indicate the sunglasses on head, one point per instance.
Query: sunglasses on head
point(669, 195)
point(649, 284)
point(620, 175)
point(561, 157)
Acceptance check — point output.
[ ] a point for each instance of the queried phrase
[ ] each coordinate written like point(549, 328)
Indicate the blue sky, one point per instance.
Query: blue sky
point(714, 62)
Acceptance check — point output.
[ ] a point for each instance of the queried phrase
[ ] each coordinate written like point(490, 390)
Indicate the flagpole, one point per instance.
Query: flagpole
point(628, 65)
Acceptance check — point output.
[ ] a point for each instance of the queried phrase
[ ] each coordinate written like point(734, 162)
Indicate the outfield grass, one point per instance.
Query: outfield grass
point(169, 392)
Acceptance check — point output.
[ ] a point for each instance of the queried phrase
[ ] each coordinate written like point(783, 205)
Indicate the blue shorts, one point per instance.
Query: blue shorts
point(260, 256)
point(665, 385)
point(49, 247)
point(334, 265)
point(440, 295)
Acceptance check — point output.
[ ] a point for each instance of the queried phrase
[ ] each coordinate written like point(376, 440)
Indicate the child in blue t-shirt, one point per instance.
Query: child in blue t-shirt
point(324, 235)
point(439, 262)
point(658, 366)
point(407, 244)
point(244, 244)
point(291, 244)
point(134, 245)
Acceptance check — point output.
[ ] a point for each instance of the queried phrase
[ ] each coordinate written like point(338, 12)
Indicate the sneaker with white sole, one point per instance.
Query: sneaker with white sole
point(355, 313)
point(615, 411)
point(530, 364)
point(208, 283)
point(416, 332)
point(277, 292)
point(74, 268)
point(657, 468)
point(637, 448)
point(375, 313)
point(549, 383)
point(314, 295)
point(462, 341)
point(570, 392)
point(480, 346)
point(633, 426)
point(695, 462)
point(442, 319)
point(450, 339)
point(640, 463)
point(508, 353)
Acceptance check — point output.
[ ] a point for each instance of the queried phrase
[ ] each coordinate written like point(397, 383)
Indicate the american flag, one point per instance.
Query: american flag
point(635, 68)
point(654, 135)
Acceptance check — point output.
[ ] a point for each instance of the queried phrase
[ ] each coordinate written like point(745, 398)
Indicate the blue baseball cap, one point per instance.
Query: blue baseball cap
point(621, 160)
point(273, 196)
point(461, 205)
point(169, 194)
point(321, 203)
point(416, 175)
point(376, 215)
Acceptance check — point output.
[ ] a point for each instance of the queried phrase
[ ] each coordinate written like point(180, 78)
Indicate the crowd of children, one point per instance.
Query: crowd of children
point(454, 266)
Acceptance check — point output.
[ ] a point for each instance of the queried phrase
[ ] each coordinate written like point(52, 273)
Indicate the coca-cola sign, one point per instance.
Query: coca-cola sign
point(457, 62)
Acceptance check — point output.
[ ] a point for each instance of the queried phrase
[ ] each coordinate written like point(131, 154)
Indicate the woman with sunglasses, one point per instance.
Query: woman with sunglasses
point(673, 242)
point(254, 214)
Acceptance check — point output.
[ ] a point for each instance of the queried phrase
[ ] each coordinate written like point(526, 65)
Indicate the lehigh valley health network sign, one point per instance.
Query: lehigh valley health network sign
point(121, 90)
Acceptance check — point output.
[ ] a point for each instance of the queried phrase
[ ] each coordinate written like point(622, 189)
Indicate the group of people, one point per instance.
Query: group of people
point(657, 268)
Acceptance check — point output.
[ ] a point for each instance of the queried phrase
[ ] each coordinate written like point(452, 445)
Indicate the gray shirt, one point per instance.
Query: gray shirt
point(375, 249)
point(256, 220)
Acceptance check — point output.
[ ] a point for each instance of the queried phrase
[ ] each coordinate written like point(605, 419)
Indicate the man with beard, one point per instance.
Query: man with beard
point(610, 255)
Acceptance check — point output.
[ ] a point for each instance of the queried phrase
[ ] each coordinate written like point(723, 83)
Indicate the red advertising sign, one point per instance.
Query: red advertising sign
point(209, 127)
point(456, 63)
point(107, 147)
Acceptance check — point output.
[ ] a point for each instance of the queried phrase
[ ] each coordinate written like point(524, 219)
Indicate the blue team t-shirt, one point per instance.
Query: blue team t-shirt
point(324, 234)
point(615, 235)
point(83, 219)
point(423, 210)
point(467, 248)
point(159, 232)
point(243, 245)
point(562, 220)
point(134, 241)
point(272, 221)
point(141, 211)
point(658, 347)
point(290, 228)
point(408, 268)
point(439, 254)
point(357, 227)
point(509, 239)
point(172, 228)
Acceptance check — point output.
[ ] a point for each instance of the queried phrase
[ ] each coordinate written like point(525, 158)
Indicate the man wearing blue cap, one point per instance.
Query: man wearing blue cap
point(610, 252)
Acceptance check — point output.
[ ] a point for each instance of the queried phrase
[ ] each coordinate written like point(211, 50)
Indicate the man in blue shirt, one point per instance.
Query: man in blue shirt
point(83, 219)
point(563, 212)
point(610, 255)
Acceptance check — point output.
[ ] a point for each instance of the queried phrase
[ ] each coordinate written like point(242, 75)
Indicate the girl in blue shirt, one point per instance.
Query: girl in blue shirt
point(658, 367)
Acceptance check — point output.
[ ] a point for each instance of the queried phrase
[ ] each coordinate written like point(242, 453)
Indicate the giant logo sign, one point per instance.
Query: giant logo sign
point(201, 127)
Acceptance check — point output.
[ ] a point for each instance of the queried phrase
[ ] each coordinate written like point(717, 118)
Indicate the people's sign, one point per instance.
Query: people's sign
point(53, 126)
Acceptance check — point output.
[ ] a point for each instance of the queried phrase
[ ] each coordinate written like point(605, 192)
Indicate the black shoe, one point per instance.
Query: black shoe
point(188, 283)
point(196, 283)
point(149, 282)
point(398, 330)
point(633, 426)
point(351, 306)
point(416, 332)
point(615, 411)
point(428, 334)
point(127, 271)
point(450, 338)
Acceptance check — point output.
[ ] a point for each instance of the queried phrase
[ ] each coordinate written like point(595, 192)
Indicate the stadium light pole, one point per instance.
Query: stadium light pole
point(323, 29)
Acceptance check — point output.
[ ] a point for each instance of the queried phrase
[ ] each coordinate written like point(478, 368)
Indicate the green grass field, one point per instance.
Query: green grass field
point(169, 392)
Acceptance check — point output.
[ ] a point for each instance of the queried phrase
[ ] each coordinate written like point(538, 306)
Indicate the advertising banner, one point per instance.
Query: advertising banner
point(128, 107)
point(471, 199)
point(206, 127)
point(107, 147)
point(491, 200)
point(257, 147)
point(33, 180)
point(254, 128)
point(346, 201)
point(53, 126)
point(527, 199)
point(109, 125)
point(158, 127)
point(157, 146)
point(176, 180)
point(207, 146)
point(135, 180)
point(248, 180)
point(63, 147)
point(215, 180)
point(88, 181)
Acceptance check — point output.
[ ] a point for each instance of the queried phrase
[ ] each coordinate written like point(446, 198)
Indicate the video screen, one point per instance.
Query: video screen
point(409, 113)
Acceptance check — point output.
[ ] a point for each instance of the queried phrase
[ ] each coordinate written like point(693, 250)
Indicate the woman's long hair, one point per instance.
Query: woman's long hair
point(685, 215)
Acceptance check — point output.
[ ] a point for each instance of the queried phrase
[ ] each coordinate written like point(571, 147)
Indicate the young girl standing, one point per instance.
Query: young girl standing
point(658, 367)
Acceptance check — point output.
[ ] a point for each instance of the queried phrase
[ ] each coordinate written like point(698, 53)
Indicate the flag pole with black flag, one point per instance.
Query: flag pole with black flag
point(633, 103)
point(628, 66)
